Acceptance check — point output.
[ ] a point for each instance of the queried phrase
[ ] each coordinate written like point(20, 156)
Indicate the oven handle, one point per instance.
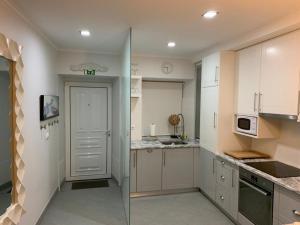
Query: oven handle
point(254, 188)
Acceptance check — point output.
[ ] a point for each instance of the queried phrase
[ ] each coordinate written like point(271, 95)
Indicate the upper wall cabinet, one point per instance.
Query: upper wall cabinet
point(248, 69)
point(280, 75)
point(268, 77)
point(210, 70)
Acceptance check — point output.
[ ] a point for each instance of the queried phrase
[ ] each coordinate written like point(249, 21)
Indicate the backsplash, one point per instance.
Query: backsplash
point(286, 148)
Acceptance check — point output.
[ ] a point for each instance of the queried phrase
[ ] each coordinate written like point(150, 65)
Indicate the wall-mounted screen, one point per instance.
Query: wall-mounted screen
point(49, 107)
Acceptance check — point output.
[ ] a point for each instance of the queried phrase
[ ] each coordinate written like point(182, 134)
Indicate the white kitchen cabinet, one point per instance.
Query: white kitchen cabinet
point(286, 206)
point(227, 179)
point(248, 80)
point(133, 164)
point(210, 70)
point(280, 70)
point(208, 118)
point(207, 173)
point(149, 170)
point(178, 168)
point(217, 109)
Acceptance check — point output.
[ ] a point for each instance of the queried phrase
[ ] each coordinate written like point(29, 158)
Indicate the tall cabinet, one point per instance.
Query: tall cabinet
point(217, 103)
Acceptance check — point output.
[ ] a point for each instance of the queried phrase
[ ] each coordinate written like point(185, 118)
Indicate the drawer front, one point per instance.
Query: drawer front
point(224, 174)
point(223, 198)
point(289, 207)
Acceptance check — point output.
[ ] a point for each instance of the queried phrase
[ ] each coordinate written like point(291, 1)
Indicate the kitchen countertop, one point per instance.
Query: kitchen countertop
point(150, 144)
point(289, 183)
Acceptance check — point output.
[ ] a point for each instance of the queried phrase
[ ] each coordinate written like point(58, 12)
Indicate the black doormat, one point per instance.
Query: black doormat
point(89, 184)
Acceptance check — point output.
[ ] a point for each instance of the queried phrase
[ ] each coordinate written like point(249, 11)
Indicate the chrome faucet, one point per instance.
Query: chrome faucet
point(183, 132)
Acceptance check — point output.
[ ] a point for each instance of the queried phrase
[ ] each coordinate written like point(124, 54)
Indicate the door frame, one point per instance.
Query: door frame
point(68, 86)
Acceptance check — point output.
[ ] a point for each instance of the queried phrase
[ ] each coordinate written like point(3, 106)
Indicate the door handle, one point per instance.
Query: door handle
point(216, 74)
point(215, 115)
point(254, 107)
point(259, 101)
point(254, 188)
point(134, 159)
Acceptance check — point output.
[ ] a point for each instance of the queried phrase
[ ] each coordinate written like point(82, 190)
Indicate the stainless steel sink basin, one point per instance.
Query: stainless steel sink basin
point(175, 142)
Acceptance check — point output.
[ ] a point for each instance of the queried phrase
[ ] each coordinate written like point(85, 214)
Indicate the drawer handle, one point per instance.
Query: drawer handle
point(222, 178)
point(223, 163)
point(296, 212)
point(222, 197)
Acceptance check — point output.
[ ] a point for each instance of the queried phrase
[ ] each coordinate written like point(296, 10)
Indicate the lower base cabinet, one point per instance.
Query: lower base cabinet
point(149, 170)
point(178, 168)
point(207, 180)
point(155, 170)
point(227, 181)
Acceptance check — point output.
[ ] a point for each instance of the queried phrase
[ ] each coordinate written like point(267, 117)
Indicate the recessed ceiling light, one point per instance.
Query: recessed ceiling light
point(171, 44)
point(210, 14)
point(85, 33)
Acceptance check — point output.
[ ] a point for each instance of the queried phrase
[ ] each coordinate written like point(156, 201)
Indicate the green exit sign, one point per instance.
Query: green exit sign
point(90, 72)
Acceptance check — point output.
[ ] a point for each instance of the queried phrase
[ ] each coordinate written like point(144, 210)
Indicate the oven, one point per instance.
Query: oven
point(256, 198)
point(246, 124)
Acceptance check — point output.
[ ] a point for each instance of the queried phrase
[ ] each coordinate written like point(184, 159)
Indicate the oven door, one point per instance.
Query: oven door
point(255, 203)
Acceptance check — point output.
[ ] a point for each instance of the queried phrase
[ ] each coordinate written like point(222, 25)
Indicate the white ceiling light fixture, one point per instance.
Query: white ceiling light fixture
point(210, 14)
point(171, 44)
point(85, 33)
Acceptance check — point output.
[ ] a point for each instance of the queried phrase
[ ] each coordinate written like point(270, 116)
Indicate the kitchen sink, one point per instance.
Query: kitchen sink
point(175, 142)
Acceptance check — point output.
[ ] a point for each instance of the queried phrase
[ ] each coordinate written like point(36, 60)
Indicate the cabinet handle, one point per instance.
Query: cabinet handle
point(259, 101)
point(223, 163)
point(222, 178)
point(255, 96)
point(134, 159)
point(216, 74)
point(296, 212)
point(215, 115)
point(222, 197)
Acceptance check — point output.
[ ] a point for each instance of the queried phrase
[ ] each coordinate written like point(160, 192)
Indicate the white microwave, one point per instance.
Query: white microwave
point(246, 124)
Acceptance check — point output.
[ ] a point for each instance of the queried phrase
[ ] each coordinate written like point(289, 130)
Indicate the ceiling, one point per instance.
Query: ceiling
point(154, 22)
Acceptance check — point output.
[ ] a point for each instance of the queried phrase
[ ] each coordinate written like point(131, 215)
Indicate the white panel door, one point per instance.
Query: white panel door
point(210, 70)
point(280, 75)
point(209, 118)
point(89, 129)
point(249, 66)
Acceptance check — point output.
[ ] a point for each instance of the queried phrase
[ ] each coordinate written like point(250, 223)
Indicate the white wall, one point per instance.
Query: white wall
point(160, 100)
point(66, 59)
point(40, 155)
point(286, 148)
point(150, 68)
point(5, 129)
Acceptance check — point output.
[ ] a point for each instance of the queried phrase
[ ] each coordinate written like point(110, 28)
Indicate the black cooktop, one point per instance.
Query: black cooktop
point(276, 169)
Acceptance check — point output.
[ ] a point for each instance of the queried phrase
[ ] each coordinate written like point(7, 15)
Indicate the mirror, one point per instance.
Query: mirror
point(6, 131)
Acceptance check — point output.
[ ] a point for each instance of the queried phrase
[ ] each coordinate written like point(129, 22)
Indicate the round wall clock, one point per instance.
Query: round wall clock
point(167, 67)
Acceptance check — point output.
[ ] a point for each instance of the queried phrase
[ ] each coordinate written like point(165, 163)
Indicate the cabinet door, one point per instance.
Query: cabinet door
point(207, 173)
point(178, 168)
point(208, 118)
point(280, 75)
point(149, 170)
point(248, 72)
point(133, 163)
point(210, 70)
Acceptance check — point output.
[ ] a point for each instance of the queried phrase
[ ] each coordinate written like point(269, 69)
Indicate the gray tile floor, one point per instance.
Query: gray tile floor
point(180, 209)
point(97, 206)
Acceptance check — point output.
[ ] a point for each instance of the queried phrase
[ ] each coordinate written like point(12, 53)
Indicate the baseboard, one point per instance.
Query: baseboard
point(46, 207)
point(158, 193)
